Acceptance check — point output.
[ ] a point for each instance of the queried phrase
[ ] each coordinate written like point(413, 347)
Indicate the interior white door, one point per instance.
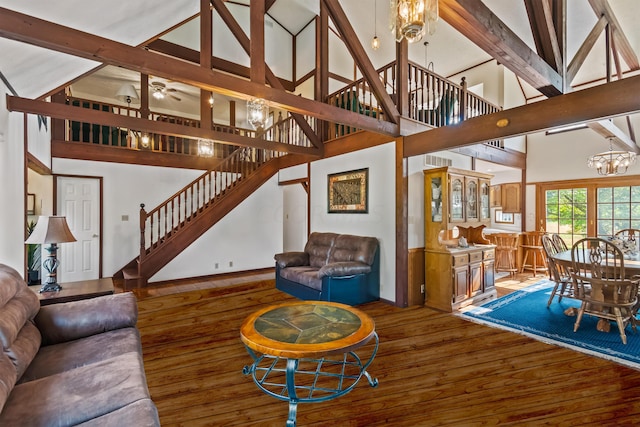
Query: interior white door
point(79, 201)
point(294, 218)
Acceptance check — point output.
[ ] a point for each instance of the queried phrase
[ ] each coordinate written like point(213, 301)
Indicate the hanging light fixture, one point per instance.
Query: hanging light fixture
point(257, 112)
point(375, 43)
point(612, 162)
point(412, 19)
point(205, 148)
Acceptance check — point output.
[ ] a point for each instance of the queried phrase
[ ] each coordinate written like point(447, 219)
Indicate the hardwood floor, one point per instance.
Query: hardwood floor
point(433, 369)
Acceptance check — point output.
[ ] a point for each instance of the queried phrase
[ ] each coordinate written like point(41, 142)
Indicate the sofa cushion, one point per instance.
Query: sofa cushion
point(24, 348)
point(15, 313)
point(77, 395)
point(8, 377)
point(318, 247)
point(342, 269)
point(11, 282)
point(53, 359)
point(292, 259)
point(142, 413)
point(353, 248)
point(307, 276)
point(78, 319)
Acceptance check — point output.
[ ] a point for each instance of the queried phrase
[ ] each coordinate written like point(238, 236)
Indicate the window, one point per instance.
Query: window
point(566, 213)
point(618, 208)
point(579, 208)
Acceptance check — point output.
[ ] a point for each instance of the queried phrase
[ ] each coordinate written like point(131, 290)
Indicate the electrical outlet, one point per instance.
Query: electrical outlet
point(422, 288)
point(215, 265)
point(230, 263)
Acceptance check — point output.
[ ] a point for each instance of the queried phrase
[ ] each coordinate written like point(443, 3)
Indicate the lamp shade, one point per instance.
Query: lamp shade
point(51, 229)
point(128, 94)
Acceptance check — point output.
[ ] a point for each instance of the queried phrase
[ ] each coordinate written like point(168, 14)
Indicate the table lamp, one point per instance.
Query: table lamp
point(52, 230)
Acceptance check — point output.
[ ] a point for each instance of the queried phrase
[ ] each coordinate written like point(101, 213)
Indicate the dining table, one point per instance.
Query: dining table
point(631, 262)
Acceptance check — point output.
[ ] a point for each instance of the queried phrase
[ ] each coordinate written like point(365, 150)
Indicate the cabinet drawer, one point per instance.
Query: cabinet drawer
point(489, 254)
point(461, 259)
point(475, 256)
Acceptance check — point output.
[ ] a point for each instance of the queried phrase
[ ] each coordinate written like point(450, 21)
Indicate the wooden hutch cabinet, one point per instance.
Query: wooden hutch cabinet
point(455, 276)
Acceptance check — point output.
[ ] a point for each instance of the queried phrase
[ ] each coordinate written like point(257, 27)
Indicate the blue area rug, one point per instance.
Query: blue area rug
point(525, 312)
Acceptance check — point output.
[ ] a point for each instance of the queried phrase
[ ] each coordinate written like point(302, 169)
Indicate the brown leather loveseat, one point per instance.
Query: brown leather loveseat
point(333, 267)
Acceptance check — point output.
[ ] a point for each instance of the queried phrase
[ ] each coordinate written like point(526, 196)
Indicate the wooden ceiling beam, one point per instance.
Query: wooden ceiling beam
point(603, 8)
point(256, 45)
point(585, 48)
point(191, 55)
point(543, 28)
point(608, 129)
point(475, 21)
point(271, 78)
point(31, 30)
point(87, 115)
point(583, 106)
point(361, 58)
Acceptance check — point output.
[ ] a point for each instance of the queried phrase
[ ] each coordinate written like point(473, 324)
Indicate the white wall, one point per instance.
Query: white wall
point(379, 222)
point(247, 240)
point(12, 191)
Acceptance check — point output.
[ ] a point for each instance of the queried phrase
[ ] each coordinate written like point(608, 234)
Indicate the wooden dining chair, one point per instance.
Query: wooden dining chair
point(629, 234)
point(559, 242)
point(557, 273)
point(599, 275)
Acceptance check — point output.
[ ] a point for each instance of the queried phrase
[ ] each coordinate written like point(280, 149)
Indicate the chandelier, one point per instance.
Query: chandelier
point(612, 162)
point(257, 112)
point(205, 148)
point(412, 19)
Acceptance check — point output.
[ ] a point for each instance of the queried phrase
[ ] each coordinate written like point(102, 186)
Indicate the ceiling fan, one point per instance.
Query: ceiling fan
point(160, 90)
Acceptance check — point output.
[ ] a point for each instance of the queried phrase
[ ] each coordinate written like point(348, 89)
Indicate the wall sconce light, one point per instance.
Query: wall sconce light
point(205, 147)
point(257, 112)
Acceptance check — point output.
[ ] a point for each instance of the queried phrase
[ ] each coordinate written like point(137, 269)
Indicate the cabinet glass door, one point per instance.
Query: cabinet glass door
point(456, 199)
point(485, 207)
point(472, 199)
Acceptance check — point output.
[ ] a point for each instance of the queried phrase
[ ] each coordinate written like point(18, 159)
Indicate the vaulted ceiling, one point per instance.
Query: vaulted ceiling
point(34, 71)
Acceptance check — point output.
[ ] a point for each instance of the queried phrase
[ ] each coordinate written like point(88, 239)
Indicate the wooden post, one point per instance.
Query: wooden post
point(463, 99)
point(143, 221)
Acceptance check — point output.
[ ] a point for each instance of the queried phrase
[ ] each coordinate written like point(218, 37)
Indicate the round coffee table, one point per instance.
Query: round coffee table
point(303, 351)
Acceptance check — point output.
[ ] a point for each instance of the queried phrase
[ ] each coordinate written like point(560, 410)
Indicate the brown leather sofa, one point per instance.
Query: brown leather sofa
point(77, 363)
point(333, 267)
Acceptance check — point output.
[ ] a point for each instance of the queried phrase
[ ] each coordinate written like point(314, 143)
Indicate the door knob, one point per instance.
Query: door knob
point(95, 235)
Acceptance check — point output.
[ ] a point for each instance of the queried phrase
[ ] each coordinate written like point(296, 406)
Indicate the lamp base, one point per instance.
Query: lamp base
point(50, 287)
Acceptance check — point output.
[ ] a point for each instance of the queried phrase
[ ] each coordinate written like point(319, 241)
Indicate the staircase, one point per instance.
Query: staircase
point(180, 220)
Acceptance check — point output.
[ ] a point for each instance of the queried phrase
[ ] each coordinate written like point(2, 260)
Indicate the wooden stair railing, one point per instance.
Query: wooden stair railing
point(170, 227)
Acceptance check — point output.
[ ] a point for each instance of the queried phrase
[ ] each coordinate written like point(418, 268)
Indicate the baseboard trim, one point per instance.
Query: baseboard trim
point(229, 275)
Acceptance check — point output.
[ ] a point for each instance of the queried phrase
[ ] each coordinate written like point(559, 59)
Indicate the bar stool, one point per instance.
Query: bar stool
point(534, 258)
point(506, 250)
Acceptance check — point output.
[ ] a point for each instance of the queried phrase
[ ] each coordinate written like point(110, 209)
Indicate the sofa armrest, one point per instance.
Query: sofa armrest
point(292, 259)
point(346, 268)
point(78, 319)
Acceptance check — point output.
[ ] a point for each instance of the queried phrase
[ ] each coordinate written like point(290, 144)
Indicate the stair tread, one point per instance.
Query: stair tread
point(130, 273)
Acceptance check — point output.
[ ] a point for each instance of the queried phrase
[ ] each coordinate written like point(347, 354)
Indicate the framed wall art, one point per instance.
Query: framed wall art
point(31, 204)
point(349, 191)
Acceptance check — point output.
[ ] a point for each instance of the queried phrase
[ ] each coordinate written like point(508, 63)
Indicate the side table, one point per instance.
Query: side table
point(305, 351)
point(73, 291)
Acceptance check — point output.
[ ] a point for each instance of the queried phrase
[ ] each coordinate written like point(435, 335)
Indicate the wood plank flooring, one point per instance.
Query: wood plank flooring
point(433, 369)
